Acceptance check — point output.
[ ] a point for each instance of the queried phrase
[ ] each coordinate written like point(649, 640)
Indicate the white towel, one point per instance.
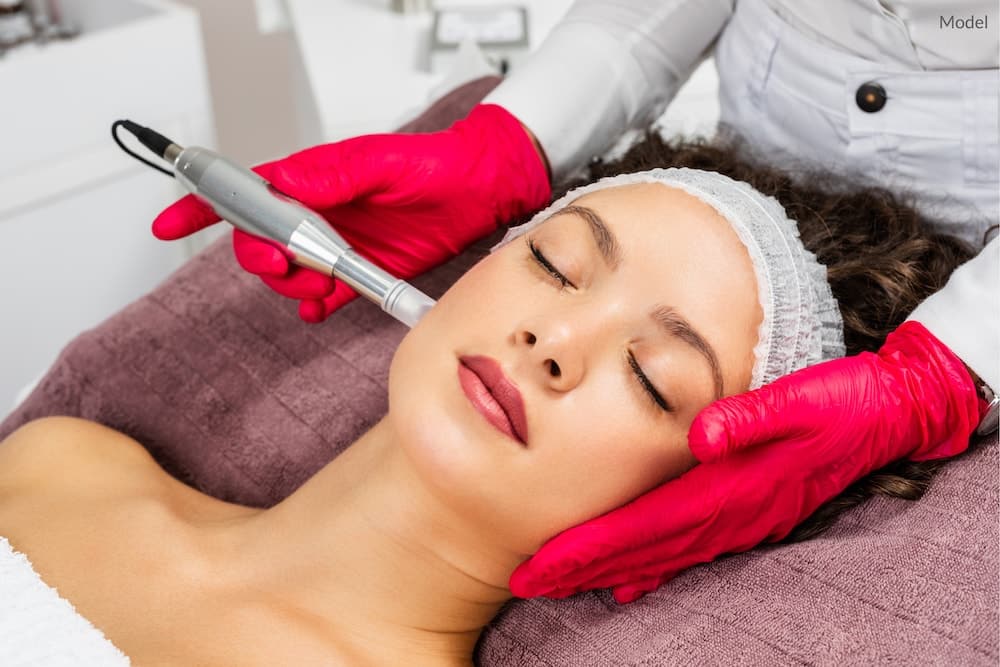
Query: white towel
point(41, 629)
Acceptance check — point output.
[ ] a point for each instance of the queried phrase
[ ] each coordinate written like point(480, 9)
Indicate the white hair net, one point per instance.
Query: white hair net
point(802, 323)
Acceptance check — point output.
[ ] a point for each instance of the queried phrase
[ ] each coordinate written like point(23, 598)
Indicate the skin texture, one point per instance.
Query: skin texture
point(399, 551)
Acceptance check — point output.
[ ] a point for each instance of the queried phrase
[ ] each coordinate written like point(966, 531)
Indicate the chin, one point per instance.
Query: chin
point(432, 433)
point(457, 459)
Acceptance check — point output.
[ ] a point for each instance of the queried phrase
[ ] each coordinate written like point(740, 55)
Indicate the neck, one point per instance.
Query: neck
point(399, 577)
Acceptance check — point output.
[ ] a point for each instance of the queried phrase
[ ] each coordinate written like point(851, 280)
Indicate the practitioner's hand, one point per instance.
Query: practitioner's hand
point(406, 201)
point(769, 458)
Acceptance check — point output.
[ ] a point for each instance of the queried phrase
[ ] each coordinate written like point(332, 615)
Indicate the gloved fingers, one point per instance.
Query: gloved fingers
point(570, 585)
point(756, 417)
point(608, 573)
point(524, 582)
point(189, 214)
point(659, 530)
point(528, 587)
point(580, 565)
point(656, 562)
point(185, 216)
point(311, 310)
point(323, 176)
point(563, 561)
point(555, 593)
point(259, 256)
point(940, 384)
point(300, 283)
point(634, 590)
point(623, 594)
point(317, 310)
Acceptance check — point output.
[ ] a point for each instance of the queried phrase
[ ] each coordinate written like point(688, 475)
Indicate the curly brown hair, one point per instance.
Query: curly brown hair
point(881, 256)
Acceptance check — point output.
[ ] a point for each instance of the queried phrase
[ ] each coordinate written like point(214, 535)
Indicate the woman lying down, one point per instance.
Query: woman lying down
point(613, 318)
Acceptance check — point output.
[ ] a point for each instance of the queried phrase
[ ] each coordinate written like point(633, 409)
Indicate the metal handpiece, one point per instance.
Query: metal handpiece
point(250, 203)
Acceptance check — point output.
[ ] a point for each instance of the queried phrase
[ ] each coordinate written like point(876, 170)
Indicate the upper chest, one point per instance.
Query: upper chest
point(124, 547)
point(119, 560)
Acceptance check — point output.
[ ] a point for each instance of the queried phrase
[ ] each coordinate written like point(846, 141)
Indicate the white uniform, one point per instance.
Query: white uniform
point(790, 73)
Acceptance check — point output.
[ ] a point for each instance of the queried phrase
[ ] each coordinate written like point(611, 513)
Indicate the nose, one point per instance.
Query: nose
point(554, 353)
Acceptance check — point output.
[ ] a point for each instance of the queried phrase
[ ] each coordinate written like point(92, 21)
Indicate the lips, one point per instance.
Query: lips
point(503, 392)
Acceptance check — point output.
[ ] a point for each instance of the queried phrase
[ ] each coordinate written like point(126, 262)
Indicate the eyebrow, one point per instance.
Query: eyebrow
point(667, 319)
point(607, 242)
point(675, 325)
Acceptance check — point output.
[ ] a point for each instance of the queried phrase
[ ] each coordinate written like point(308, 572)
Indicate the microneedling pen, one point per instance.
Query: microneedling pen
point(250, 203)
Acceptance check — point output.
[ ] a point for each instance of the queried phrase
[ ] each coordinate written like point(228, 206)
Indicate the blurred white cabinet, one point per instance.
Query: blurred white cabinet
point(365, 65)
point(75, 211)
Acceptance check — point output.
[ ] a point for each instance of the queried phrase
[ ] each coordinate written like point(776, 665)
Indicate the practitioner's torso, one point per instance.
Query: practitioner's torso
point(132, 549)
point(931, 134)
point(912, 34)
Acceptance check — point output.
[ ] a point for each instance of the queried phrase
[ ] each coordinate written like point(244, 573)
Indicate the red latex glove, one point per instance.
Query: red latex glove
point(408, 202)
point(769, 457)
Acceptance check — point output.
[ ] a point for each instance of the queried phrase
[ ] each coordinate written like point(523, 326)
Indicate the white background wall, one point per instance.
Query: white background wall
point(253, 80)
point(74, 211)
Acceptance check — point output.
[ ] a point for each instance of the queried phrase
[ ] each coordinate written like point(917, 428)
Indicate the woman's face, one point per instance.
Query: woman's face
point(678, 304)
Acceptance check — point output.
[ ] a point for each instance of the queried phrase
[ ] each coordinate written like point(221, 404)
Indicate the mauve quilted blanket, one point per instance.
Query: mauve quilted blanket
point(234, 395)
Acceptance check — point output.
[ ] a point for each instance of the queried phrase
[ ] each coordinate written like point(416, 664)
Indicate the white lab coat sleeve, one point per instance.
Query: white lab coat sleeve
point(965, 314)
point(608, 66)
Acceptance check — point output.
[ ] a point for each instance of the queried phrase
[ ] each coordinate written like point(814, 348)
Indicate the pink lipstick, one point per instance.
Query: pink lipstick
point(493, 395)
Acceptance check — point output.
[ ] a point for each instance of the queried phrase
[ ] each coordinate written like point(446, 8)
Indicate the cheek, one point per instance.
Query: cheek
point(488, 292)
point(599, 451)
point(614, 475)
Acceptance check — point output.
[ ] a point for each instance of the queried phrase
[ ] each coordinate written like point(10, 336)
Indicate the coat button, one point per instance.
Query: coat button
point(870, 97)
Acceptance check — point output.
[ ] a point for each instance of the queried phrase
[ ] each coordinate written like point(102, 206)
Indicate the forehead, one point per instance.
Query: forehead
point(645, 203)
point(658, 222)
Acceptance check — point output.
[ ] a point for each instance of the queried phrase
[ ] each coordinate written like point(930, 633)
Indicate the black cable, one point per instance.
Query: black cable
point(147, 137)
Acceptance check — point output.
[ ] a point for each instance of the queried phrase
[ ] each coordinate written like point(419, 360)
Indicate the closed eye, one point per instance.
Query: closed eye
point(547, 265)
point(651, 392)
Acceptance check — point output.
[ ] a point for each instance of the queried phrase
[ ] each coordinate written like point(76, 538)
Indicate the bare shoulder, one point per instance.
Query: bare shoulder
point(64, 449)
